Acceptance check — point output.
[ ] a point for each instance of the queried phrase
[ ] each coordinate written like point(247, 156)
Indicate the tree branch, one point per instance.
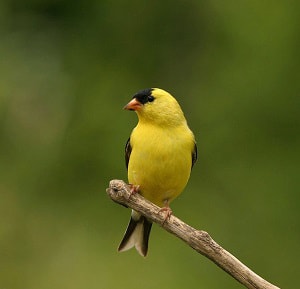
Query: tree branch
point(199, 240)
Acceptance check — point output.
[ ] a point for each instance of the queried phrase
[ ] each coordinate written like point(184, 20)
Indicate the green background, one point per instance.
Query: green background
point(67, 69)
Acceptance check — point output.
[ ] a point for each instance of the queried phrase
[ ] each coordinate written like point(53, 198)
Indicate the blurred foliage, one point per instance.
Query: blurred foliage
point(68, 68)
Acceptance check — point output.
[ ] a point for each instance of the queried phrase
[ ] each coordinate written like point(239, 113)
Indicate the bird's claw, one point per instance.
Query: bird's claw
point(168, 213)
point(134, 189)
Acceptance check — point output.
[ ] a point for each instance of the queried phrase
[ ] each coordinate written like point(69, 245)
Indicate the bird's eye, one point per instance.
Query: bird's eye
point(150, 98)
point(144, 96)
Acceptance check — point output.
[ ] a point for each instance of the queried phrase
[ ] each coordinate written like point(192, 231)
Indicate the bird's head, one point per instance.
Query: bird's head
point(156, 106)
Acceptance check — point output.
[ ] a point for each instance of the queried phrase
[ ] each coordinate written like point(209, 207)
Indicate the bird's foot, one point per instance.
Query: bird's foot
point(168, 213)
point(134, 189)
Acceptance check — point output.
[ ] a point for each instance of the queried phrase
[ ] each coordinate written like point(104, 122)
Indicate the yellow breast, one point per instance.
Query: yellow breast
point(160, 161)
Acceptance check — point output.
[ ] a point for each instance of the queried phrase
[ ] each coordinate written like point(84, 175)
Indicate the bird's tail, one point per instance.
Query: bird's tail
point(137, 234)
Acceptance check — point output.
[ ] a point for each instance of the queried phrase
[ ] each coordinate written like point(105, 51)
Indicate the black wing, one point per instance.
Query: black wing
point(127, 152)
point(194, 155)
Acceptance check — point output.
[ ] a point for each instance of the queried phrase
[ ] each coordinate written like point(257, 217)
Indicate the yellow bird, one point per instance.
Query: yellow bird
point(159, 154)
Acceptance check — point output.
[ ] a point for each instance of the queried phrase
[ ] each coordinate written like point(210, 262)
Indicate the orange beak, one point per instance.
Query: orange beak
point(134, 104)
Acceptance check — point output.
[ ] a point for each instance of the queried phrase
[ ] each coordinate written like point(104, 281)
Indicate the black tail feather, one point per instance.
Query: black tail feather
point(146, 233)
point(137, 234)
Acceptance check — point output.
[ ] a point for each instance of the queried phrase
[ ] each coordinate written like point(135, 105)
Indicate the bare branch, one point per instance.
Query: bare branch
point(199, 240)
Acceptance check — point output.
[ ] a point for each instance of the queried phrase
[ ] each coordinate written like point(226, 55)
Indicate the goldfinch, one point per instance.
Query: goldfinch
point(159, 154)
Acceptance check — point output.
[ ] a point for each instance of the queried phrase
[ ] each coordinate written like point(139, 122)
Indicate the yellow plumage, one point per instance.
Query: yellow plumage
point(160, 161)
point(159, 155)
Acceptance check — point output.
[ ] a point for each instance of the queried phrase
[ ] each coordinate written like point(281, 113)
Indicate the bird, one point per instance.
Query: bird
point(159, 155)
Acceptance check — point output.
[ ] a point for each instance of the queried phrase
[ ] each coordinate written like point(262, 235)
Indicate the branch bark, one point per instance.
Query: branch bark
point(199, 240)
